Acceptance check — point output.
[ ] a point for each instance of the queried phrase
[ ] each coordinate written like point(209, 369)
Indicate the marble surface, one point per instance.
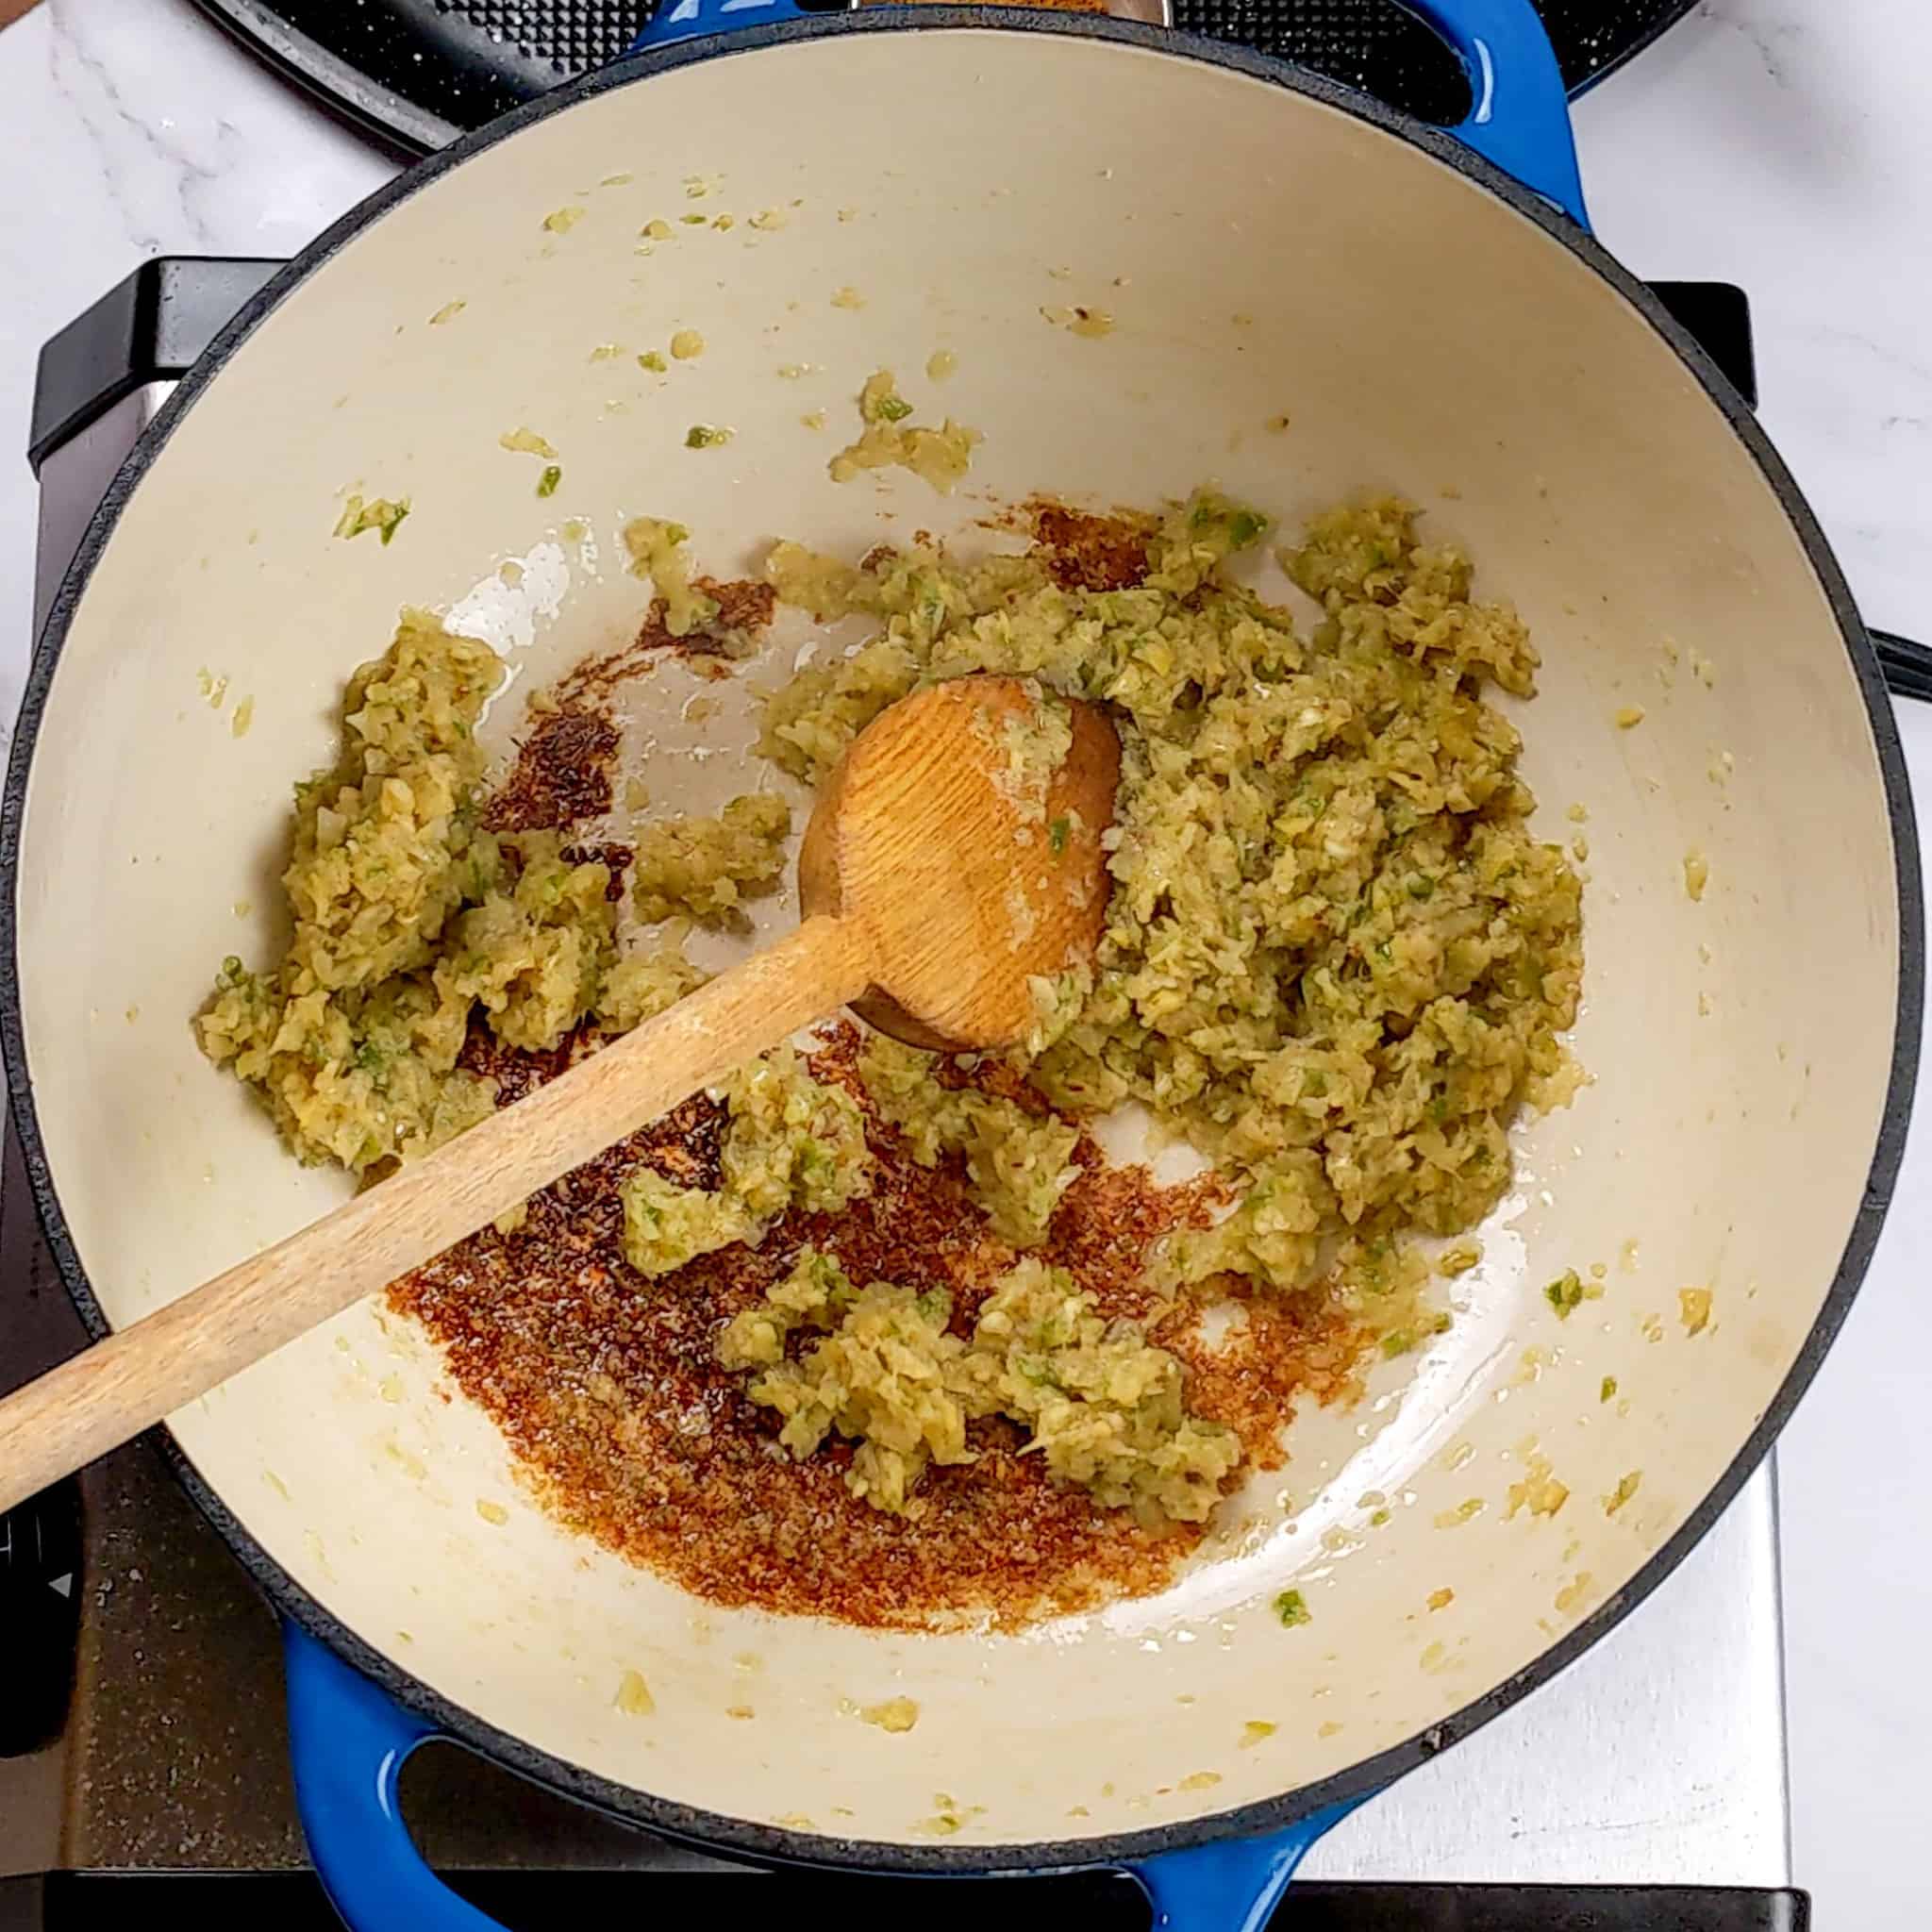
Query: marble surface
point(1780, 143)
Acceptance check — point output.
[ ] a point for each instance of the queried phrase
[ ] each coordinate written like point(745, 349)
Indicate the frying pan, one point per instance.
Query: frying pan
point(1268, 243)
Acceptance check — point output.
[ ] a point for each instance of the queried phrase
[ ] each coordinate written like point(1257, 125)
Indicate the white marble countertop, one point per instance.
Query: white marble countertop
point(1783, 144)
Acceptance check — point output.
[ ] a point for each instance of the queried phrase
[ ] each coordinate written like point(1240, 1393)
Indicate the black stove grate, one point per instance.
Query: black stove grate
point(418, 71)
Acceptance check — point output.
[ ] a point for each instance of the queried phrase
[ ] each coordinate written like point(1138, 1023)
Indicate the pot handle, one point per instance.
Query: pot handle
point(1518, 116)
point(683, 20)
point(1907, 666)
point(347, 1741)
point(1232, 1886)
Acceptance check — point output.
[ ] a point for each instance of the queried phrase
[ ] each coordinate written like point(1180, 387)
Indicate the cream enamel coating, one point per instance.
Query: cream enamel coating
point(1260, 253)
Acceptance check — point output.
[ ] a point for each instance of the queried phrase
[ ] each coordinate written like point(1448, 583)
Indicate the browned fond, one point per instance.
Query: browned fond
point(745, 610)
point(606, 1388)
point(1087, 553)
point(561, 773)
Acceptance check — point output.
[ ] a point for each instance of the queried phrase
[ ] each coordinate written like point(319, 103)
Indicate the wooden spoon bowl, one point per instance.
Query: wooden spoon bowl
point(967, 892)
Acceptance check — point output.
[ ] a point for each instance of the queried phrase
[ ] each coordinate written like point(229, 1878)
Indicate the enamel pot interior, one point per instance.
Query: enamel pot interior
point(1264, 252)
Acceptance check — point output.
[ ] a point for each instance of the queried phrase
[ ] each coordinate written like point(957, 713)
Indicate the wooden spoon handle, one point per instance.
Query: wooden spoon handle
point(150, 1369)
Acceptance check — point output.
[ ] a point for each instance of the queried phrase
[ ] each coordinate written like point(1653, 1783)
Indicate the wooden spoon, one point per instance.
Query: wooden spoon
point(935, 891)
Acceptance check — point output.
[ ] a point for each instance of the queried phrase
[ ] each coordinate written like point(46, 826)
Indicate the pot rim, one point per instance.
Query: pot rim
point(771, 1844)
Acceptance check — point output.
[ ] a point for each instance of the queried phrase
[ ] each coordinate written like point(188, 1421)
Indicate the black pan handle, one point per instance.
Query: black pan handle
point(1907, 666)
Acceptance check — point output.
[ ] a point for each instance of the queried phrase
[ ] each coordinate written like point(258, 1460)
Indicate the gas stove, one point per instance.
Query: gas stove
point(144, 1751)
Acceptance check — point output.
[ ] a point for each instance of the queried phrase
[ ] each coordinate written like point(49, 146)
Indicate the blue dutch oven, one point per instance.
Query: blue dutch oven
point(1427, 310)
